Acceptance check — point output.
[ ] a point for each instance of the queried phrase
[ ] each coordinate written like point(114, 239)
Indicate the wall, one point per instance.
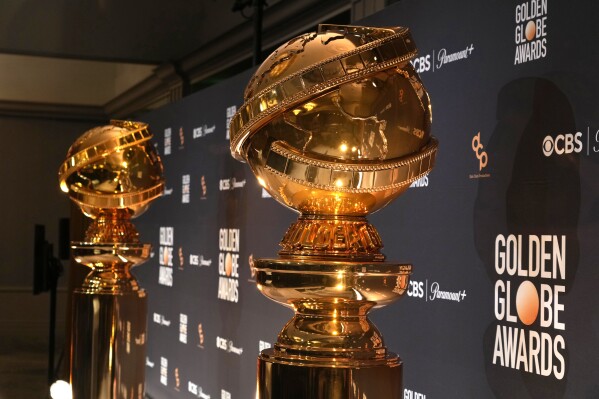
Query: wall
point(32, 151)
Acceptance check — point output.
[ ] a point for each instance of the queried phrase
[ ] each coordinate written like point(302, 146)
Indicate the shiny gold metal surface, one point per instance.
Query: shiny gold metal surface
point(113, 173)
point(335, 125)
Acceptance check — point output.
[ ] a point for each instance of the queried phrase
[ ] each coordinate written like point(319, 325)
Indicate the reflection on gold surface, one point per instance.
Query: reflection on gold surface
point(113, 173)
point(335, 125)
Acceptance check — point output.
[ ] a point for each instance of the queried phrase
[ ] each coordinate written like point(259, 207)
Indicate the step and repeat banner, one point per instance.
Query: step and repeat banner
point(503, 234)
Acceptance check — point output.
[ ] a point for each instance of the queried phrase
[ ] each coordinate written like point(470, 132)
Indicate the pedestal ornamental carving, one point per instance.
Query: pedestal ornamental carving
point(113, 173)
point(335, 125)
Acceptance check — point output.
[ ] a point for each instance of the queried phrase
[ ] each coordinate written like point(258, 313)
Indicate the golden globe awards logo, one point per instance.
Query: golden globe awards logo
point(531, 31)
point(167, 140)
point(165, 257)
point(529, 338)
point(230, 113)
point(163, 371)
point(182, 328)
point(422, 182)
point(228, 264)
point(185, 189)
point(411, 394)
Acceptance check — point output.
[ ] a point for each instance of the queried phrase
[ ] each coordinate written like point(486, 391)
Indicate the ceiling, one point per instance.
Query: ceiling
point(136, 31)
point(94, 59)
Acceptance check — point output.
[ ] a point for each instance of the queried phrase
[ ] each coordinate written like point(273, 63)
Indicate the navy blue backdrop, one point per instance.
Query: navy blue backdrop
point(502, 234)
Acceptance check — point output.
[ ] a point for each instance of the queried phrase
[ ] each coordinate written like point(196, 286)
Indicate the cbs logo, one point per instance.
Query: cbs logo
point(482, 156)
point(562, 144)
point(416, 289)
point(422, 64)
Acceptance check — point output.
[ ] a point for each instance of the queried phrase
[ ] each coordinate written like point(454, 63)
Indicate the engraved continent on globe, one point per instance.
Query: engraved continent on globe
point(337, 122)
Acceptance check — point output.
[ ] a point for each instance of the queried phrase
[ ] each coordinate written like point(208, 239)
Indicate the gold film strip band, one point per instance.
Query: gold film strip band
point(137, 133)
point(122, 200)
point(367, 59)
point(351, 177)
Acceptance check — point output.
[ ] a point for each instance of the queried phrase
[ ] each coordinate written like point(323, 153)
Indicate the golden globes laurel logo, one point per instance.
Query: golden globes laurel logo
point(204, 187)
point(200, 336)
point(531, 31)
point(181, 259)
point(530, 339)
point(181, 138)
point(177, 379)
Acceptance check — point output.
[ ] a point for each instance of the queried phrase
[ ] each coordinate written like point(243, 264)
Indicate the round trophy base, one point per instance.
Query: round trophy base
point(280, 379)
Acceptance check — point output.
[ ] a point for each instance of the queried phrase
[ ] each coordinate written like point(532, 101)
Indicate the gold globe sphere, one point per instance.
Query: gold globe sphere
point(113, 167)
point(337, 122)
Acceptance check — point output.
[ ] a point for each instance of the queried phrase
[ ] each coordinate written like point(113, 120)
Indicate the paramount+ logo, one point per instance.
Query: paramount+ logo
point(528, 305)
point(561, 144)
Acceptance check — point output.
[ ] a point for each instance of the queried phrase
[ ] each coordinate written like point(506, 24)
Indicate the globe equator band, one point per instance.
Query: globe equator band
point(371, 166)
point(316, 79)
point(90, 155)
point(352, 178)
point(119, 200)
point(333, 266)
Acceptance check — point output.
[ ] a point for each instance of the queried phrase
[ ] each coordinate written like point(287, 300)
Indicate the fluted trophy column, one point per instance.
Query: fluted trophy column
point(113, 173)
point(335, 125)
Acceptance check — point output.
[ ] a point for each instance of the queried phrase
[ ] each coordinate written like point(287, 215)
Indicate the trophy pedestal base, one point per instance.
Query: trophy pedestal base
point(108, 345)
point(281, 379)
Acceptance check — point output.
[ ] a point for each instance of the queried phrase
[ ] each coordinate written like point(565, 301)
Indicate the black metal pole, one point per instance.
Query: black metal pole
point(53, 274)
point(258, 4)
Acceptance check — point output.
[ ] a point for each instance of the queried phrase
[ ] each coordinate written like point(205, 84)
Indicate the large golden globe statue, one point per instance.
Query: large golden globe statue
point(112, 173)
point(335, 125)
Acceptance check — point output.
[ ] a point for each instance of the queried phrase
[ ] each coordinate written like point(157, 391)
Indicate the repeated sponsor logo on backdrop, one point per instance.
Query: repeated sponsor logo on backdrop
point(203, 131)
point(197, 390)
point(436, 59)
point(584, 141)
point(482, 158)
point(431, 291)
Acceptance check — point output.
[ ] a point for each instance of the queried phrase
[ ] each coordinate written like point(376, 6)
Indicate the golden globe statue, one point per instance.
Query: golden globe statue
point(335, 125)
point(113, 173)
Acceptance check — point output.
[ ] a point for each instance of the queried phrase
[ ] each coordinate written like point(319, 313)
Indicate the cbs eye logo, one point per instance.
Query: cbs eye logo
point(562, 144)
point(416, 289)
point(422, 64)
point(481, 155)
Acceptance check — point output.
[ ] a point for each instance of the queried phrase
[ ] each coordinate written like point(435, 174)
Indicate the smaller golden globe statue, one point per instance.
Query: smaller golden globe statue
point(335, 125)
point(113, 173)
